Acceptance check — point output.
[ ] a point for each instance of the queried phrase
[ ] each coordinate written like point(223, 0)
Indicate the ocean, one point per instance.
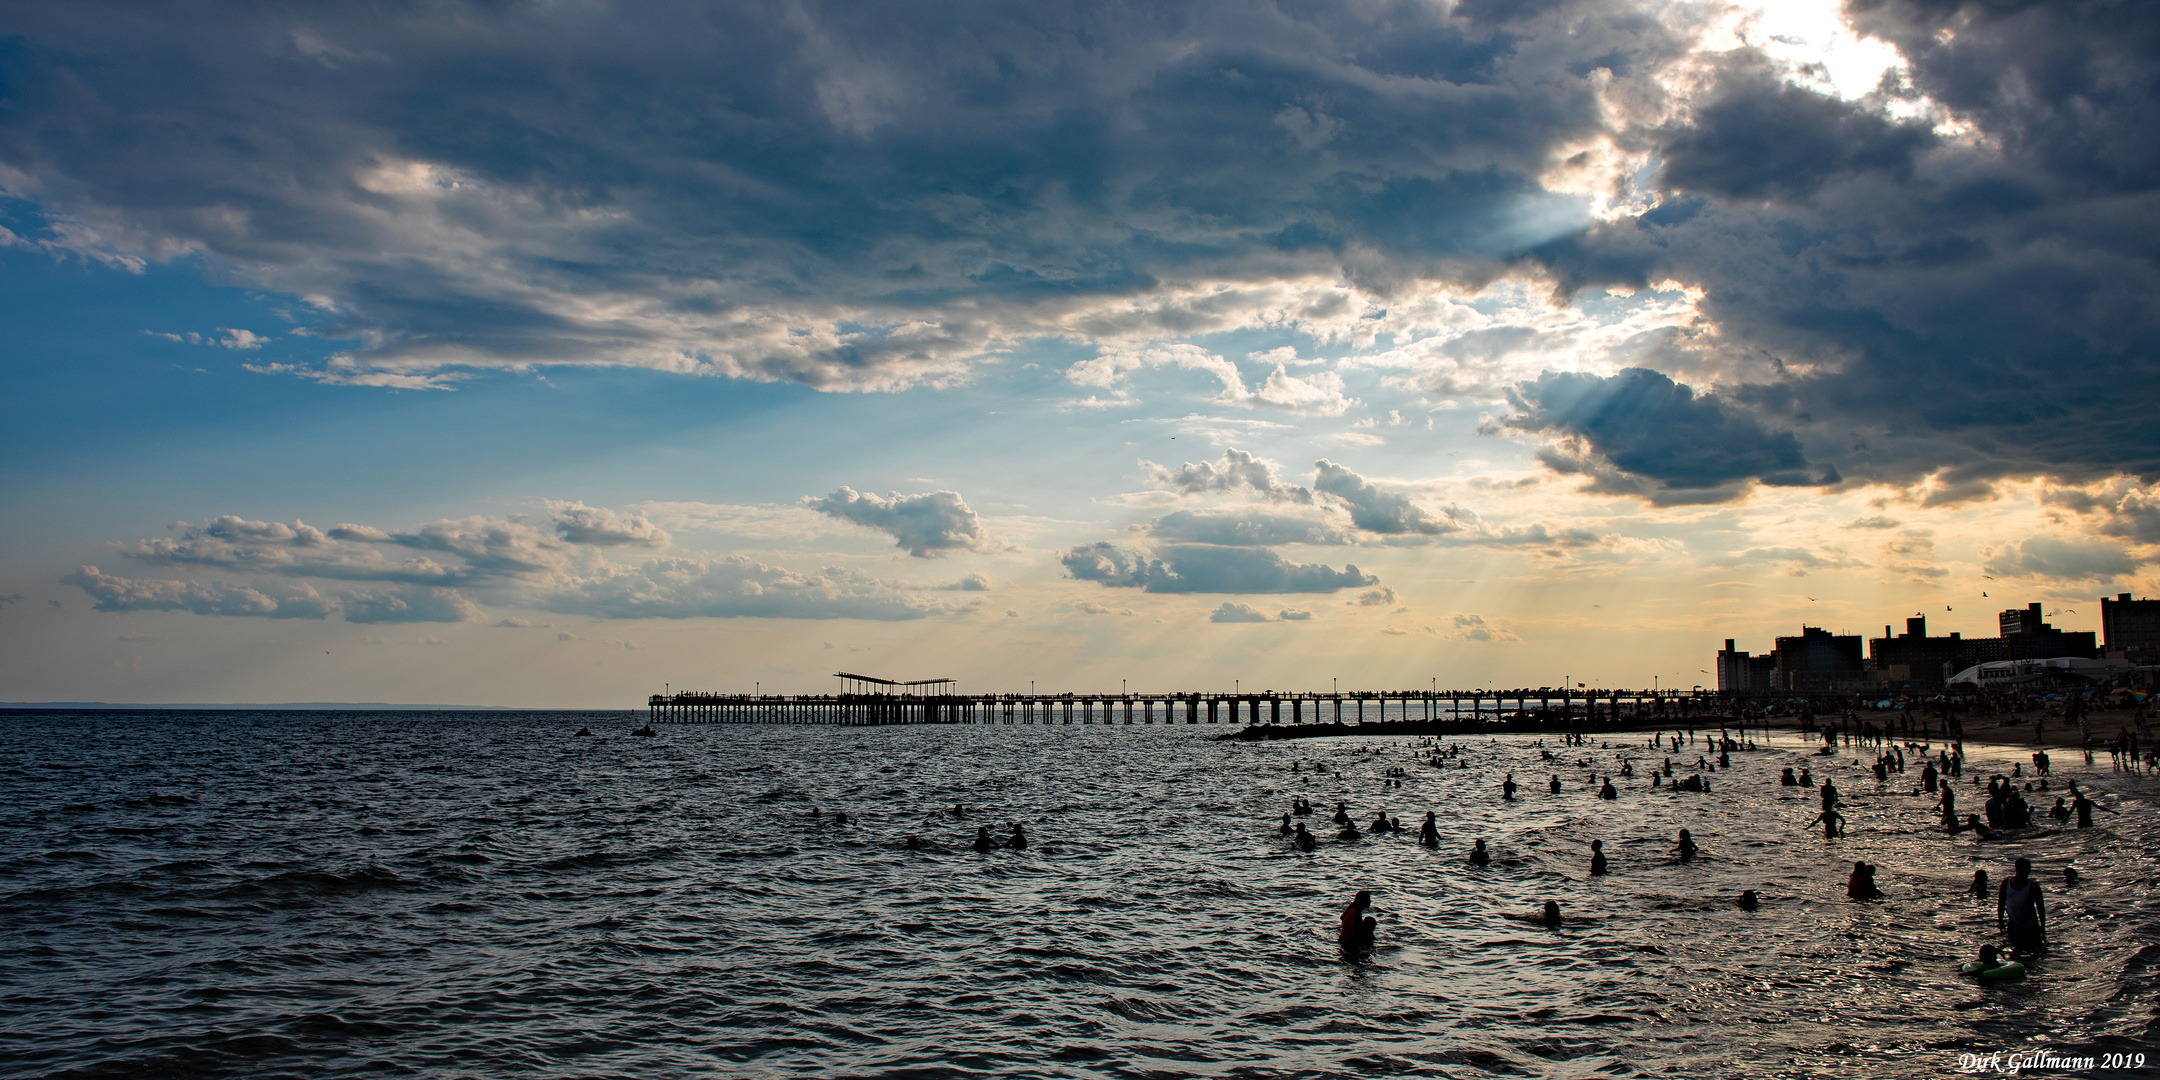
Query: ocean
point(323, 894)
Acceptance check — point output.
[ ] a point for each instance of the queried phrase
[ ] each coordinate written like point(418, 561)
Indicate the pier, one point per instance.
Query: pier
point(866, 700)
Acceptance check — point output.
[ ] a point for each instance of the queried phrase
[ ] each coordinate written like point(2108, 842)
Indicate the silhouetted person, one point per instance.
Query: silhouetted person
point(1861, 884)
point(1302, 840)
point(1354, 932)
point(2020, 912)
point(1429, 832)
point(983, 840)
point(1507, 788)
point(1342, 814)
point(1749, 901)
point(1555, 785)
point(1597, 858)
point(1833, 823)
point(1548, 918)
point(1608, 792)
point(1687, 848)
point(1979, 887)
point(1018, 840)
point(1478, 855)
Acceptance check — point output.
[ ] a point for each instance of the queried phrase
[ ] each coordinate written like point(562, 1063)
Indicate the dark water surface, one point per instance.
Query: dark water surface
point(450, 894)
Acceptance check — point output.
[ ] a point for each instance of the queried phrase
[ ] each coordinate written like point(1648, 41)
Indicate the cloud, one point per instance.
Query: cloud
point(1294, 615)
point(10, 598)
point(1646, 426)
point(733, 587)
point(110, 593)
point(1758, 135)
point(927, 524)
point(435, 605)
point(1238, 472)
point(512, 622)
point(240, 339)
point(1091, 608)
point(578, 523)
point(853, 197)
point(1374, 510)
point(1238, 613)
point(970, 583)
point(1475, 628)
point(1380, 596)
point(1963, 303)
point(1195, 568)
point(2071, 560)
point(1246, 529)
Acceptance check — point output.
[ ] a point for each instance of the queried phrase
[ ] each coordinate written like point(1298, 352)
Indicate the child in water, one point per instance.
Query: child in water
point(1597, 858)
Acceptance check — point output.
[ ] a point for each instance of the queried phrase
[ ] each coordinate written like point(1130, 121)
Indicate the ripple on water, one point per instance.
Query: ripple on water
point(367, 894)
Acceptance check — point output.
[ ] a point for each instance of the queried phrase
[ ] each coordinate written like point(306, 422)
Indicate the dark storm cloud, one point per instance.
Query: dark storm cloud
point(846, 194)
point(1194, 568)
point(1759, 136)
point(1647, 426)
point(1908, 304)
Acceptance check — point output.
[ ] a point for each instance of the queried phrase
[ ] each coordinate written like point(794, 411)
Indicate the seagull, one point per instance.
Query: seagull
point(1811, 600)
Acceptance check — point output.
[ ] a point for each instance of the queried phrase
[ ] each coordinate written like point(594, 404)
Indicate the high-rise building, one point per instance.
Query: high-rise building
point(1913, 657)
point(1818, 660)
point(2130, 628)
point(1737, 672)
point(2026, 637)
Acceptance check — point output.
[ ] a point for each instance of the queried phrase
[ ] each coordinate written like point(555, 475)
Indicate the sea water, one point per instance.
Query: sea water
point(460, 894)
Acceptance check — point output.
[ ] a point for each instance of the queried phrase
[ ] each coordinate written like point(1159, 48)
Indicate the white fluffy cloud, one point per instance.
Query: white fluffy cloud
point(925, 524)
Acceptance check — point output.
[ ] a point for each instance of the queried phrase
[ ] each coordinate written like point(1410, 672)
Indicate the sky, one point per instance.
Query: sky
point(553, 353)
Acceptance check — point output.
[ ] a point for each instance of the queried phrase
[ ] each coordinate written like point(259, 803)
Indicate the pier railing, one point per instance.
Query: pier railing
point(1266, 707)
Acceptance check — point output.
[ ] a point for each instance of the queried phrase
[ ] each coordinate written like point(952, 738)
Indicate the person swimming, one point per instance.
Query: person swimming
point(912, 843)
point(983, 840)
point(1833, 823)
point(1349, 831)
point(1785, 779)
point(1018, 840)
point(1860, 885)
point(1979, 886)
point(1598, 865)
point(1749, 901)
point(1554, 785)
point(1687, 846)
point(1380, 823)
point(1478, 855)
point(1355, 930)
point(2070, 877)
point(1548, 918)
point(1507, 788)
point(1342, 814)
point(1608, 792)
point(1302, 840)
